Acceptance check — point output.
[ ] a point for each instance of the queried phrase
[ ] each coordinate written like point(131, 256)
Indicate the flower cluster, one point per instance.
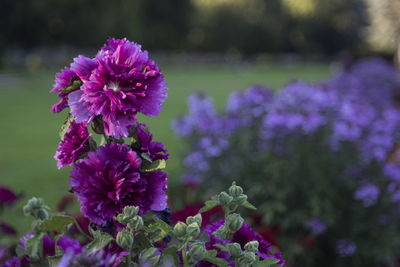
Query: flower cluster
point(296, 147)
point(120, 183)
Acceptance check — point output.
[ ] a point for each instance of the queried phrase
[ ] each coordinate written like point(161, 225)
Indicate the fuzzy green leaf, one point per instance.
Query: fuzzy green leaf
point(100, 240)
point(146, 156)
point(170, 252)
point(65, 126)
point(208, 205)
point(157, 230)
point(248, 205)
point(266, 263)
point(33, 247)
point(153, 166)
point(221, 247)
point(57, 223)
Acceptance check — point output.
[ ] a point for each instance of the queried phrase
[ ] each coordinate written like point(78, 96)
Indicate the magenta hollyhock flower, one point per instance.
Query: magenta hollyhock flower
point(107, 181)
point(74, 145)
point(79, 70)
point(156, 150)
point(7, 196)
point(124, 83)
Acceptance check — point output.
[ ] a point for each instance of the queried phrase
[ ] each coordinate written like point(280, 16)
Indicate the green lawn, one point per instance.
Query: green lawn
point(29, 131)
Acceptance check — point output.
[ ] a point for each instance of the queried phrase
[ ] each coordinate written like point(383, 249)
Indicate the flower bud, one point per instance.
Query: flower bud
point(136, 223)
point(241, 199)
point(251, 246)
point(235, 190)
point(125, 239)
point(234, 249)
point(249, 257)
point(180, 229)
point(42, 214)
point(193, 229)
point(234, 222)
point(131, 211)
point(197, 219)
point(198, 251)
point(224, 198)
point(36, 208)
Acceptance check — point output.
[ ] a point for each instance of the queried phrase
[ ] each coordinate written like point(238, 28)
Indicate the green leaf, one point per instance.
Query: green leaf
point(147, 254)
point(221, 247)
point(146, 156)
point(266, 263)
point(65, 126)
point(204, 238)
point(33, 246)
point(208, 205)
point(141, 241)
point(157, 230)
point(57, 223)
point(248, 205)
point(53, 260)
point(74, 85)
point(170, 252)
point(100, 240)
point(217, 261)
point(153, 166)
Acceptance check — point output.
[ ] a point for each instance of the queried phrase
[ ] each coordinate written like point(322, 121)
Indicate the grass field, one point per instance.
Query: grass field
point(29, 131)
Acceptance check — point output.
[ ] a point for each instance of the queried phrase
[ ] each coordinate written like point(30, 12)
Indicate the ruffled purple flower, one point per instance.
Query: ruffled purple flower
point(123, 83)
point(74, 145)
point(156, 150)
point(317, 226)
point(345, 247)
point(79, 72)
point(368, 194)
point(108, 180)
point(7, 196)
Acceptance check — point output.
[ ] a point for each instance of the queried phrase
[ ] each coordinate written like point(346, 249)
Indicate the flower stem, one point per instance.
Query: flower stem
point(236, 262)
point(185, 262)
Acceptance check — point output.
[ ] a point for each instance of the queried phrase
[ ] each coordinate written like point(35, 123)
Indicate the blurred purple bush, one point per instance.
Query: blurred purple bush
point(319, 159)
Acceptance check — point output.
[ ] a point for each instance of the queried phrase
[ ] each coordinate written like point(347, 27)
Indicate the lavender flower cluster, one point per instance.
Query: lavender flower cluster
point(343, 130)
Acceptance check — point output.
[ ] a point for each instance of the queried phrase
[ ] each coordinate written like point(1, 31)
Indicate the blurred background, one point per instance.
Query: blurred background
point(216, 46)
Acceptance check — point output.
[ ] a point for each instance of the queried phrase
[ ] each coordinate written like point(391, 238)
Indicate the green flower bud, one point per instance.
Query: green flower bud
point(249, 257)
point(131, 211)
point(234, 249)
point(197, 251)
point(136, 223)
point(235, 190)
point(224, 198)
point(194, 219)
point(180, 229)
point(42, 214)
point(241, 199)
point(234, 222)
point(36, 208)
point(125, 239)
point(193, 229)
point(251, 246)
